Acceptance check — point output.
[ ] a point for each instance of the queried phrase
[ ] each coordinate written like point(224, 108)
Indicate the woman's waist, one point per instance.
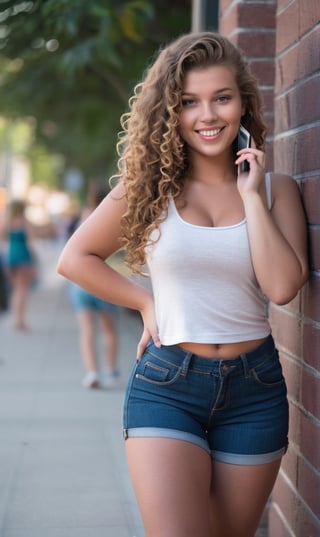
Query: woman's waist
point(222, 351)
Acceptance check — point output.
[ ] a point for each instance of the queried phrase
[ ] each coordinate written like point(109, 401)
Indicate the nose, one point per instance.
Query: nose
point(208, 112)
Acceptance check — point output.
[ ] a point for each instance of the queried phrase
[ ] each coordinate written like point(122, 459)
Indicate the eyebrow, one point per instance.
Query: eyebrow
point(222, 90)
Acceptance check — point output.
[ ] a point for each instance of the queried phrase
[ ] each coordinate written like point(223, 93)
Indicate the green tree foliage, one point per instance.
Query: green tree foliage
point(72, 65)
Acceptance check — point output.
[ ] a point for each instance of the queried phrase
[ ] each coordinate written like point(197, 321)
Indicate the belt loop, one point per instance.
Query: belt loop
point(185, 364)
point(245, 365)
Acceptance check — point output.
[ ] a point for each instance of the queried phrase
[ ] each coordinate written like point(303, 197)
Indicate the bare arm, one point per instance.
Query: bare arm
point(277, 237)
point(83, 262)
point(278, 240)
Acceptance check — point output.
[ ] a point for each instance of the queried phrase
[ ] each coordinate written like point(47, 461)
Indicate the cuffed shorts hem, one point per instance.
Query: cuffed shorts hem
point(248, 460)
point(221, 456)
point(159, 432)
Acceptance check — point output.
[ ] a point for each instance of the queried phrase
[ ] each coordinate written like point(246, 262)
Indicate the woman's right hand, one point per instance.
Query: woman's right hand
point(150, 328)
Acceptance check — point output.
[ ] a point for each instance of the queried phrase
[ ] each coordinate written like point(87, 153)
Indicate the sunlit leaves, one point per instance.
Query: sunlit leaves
point(73, 64)
point(132, 18)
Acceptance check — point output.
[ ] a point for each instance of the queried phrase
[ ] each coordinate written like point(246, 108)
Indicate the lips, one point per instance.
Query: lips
point(209, 133)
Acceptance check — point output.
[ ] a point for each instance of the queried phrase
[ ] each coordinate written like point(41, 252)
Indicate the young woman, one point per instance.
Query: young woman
point(205, 414)
point(21, 262)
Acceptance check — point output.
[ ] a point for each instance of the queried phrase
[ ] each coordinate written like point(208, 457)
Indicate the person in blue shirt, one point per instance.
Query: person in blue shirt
point(21, 262)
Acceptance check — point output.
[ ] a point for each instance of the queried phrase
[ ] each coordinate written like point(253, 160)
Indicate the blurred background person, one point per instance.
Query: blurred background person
point(90, 309)
point(4, 283)
point(20, 261)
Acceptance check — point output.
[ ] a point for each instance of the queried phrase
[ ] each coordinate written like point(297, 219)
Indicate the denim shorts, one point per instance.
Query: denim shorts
point(235, 409)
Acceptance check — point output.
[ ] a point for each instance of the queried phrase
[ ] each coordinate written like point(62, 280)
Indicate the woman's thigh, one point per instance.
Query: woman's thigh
point(181, 493)
point(171, 480)
point(238, 497)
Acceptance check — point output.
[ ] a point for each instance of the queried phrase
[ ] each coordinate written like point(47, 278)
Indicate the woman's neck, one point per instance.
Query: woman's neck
point(220, 169)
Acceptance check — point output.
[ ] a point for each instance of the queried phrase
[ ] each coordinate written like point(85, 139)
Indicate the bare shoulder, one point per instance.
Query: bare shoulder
point(282, 180)
point(102, 230)
point(118, 191)
point(283, 186)
point(116, 197)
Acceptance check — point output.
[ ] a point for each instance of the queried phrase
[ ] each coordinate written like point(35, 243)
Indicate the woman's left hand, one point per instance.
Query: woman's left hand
point(251, 181)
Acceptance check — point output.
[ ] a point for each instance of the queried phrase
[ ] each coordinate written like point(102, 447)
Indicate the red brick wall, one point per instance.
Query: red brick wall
point(296, 499)
point(282, 43)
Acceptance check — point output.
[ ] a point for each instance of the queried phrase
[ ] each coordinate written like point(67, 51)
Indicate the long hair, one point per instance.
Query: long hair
point(153, 161)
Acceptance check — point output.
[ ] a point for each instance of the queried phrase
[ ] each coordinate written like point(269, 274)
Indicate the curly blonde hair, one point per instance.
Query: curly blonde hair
point(153, 161)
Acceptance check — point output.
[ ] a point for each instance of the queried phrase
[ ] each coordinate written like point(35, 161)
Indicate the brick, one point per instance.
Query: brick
point(292, 373)
point(298, 153)
point(268, 98)
point(294, 424)
point(305, 524)
point(304, 433)
point(309, 486)
point(299, 520)
point(284, 496)
point(224, 5)
point(310, 393)
point(300, 106)
point(289, 464)
point(311, 345)
point(314, 247)
point(264, 70)
point(295, 20)
point(257, 44)
point(251, 15)
point(294, 306)
point(276, 525)
point(300, 61)
point(303, 478)
point(287, 330)
point(228, 20)
point(245, 15)
point(310, 188)
point(282, 4)
point(310, 298)
point(269, 121)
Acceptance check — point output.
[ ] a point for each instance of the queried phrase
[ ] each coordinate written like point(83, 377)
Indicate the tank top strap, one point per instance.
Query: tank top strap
point(268, 190)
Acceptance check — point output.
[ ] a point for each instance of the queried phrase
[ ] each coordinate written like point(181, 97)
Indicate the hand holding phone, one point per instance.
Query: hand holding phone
point(244, 140)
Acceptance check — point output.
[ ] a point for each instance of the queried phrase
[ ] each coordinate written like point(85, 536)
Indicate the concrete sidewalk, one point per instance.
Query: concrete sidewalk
point(63, 471)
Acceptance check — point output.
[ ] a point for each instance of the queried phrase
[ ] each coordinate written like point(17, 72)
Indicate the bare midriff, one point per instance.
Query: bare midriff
point(224, 351)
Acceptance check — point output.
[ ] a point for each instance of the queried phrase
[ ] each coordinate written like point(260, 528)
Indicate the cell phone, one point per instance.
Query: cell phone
point(244, 140)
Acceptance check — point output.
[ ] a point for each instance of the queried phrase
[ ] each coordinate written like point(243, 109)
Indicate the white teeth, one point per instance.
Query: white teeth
point(212, 132)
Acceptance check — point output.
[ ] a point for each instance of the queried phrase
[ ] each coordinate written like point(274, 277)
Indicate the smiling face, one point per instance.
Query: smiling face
point(211, 110)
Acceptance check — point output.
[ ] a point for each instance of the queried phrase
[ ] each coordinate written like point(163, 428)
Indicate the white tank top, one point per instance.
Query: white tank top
point(204, 286)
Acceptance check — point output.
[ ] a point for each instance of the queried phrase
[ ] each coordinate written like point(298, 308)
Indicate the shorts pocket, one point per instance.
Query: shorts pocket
point(156, 370)
point(269, 372)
